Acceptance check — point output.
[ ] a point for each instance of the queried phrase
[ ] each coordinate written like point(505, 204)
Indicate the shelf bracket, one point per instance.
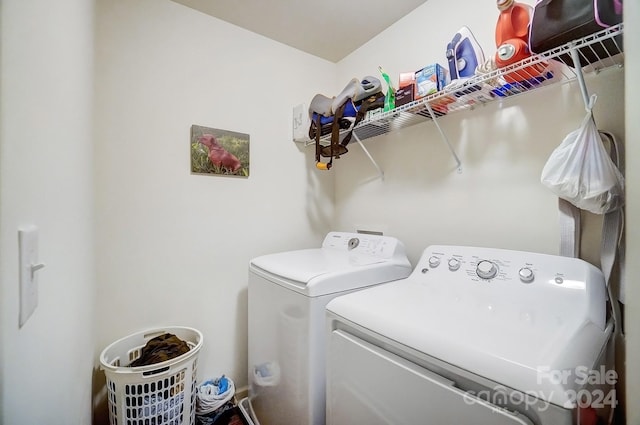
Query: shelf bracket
point(375, 164)
point(577, 66)
point(444, 137)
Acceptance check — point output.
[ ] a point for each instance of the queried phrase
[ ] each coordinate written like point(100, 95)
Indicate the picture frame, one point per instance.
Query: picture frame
point(219, 152)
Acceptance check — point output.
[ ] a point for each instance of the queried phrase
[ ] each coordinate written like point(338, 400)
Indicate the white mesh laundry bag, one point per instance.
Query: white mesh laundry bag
point(581, 171)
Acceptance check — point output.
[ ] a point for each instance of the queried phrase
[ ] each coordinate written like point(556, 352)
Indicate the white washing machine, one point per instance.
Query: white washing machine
point(288, 293)
point(473, 336)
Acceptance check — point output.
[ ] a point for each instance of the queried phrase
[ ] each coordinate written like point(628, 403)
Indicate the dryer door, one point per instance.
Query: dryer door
point(369, 385)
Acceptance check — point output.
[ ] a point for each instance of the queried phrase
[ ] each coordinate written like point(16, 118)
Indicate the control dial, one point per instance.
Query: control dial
point(434, 261)
point(454, 264)
point(486, 269)
point(526, 275)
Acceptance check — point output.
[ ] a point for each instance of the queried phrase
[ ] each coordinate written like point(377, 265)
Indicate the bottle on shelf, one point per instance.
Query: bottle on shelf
point(512, 40)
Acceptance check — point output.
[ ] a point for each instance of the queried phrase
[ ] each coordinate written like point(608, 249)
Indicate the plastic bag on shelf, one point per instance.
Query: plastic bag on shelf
point(581, 171)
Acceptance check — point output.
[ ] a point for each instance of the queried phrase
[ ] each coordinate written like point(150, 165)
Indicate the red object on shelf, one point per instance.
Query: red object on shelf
point(512, 37)
point(513, 21)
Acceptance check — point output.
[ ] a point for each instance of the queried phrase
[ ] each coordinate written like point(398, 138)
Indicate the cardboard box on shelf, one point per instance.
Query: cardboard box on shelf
point(430, 79)
point(406, 88)
point(404, 95)
point(407, 79)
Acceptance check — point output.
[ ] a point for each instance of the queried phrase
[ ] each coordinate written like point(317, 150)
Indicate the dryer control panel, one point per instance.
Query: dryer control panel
point(489, 265)
point(548, 284)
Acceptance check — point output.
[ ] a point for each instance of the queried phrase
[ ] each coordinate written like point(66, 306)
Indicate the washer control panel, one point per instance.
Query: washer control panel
point(364, 244)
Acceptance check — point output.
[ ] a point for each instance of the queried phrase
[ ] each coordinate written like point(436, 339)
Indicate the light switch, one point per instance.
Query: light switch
point(29, 266)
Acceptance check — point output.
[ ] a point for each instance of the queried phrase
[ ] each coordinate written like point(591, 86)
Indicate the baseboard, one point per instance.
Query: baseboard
point(242, 393)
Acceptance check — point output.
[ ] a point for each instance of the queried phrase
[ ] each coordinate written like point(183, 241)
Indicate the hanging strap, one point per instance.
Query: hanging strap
point(611, 248)
point(570, 229)
point(371, 103)
point(335, 130)
point(319, 164)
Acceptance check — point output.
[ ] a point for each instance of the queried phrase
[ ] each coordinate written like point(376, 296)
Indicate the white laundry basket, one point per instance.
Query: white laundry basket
point(159, 394)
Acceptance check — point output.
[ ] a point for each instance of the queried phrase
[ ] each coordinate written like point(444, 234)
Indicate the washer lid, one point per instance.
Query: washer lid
point(304, 265)
point(345, 261)
point(540, 335)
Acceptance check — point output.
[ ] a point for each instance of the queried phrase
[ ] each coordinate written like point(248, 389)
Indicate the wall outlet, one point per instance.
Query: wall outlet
point(301, 124)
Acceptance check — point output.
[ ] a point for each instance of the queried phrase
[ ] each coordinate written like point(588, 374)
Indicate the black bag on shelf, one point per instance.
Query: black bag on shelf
point(557, 22)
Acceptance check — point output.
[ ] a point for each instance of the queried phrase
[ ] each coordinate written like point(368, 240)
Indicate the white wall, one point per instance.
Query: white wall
point(498, 199)
point(46, 180)
point(174, 248)
point(632, 65)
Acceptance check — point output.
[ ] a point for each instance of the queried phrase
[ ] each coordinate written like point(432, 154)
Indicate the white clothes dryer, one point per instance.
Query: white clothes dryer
point(288, 293)
point(473, 336)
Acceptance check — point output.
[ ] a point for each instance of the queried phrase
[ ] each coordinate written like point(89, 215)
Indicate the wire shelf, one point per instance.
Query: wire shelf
point(596, 52)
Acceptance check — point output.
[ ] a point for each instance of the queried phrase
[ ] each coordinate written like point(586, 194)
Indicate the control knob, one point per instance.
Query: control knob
point(526, 275)
point(486, 269)
point(454, 264)
point(434, 261)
